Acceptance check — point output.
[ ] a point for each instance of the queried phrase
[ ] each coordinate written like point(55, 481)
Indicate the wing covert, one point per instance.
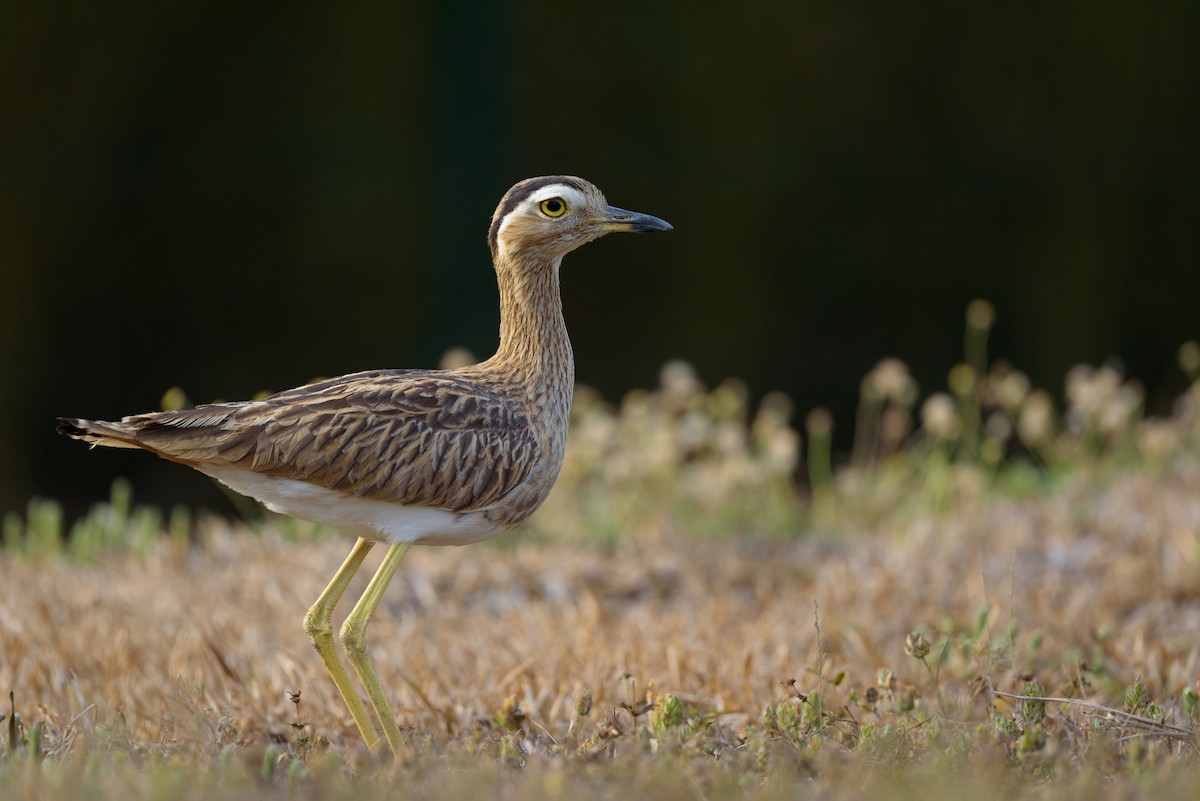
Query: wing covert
point(412, 437)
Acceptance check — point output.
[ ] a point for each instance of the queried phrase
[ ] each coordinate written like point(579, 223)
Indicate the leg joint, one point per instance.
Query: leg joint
point(354, 638)
point(317, 626)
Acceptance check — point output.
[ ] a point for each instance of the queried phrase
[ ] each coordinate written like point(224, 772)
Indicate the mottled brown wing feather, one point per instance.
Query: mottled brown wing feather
point(413, 437)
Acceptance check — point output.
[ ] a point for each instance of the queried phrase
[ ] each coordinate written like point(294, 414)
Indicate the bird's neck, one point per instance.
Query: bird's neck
point(533, 335)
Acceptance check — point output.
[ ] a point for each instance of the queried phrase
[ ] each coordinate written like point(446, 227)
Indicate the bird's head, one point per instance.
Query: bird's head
point(552, 215)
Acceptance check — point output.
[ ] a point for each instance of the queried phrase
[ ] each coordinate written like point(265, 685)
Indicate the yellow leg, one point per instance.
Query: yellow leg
point(319, 629)
point(354, 639)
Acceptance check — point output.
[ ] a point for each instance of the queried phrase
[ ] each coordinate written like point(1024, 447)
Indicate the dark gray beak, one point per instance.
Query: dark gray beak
point(634, 222)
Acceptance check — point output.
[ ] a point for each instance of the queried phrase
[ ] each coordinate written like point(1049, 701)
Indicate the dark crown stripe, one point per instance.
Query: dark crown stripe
point(519, 193)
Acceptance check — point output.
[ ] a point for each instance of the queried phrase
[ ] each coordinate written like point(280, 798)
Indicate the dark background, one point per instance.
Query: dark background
point(233, 198)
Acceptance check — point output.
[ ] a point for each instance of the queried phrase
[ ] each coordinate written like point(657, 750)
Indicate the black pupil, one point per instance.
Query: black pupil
point(553, 206)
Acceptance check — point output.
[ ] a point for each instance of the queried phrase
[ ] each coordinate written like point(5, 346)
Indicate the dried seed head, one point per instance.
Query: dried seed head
point(916, 646)
point(782, 450)
point(583, 703)
point(1036, 423)
point(961, 379)
point(940, 416)
point(981, 315)
point(174, 399)
point(891, 381)
point(680, 385)
point(1011, 389)
point(998, 426)
point(728, 401)
point(457, 358)
point(1189, 359)
point(819, 422)
point(775, 408)
point(1089, 391)
point(1121, 409)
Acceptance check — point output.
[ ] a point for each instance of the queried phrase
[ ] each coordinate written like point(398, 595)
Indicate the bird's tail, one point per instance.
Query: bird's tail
point(99, 432)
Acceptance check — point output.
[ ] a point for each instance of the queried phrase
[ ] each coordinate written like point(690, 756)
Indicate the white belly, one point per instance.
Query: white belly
point(373, 520)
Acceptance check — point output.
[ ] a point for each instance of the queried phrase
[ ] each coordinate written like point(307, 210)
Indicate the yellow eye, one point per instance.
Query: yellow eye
point(553, 207)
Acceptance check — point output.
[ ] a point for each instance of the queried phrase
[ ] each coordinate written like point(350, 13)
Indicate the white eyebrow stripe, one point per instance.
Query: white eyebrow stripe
point(570, 194)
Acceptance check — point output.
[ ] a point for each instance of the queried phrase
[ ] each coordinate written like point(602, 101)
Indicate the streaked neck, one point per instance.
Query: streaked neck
point(533, 334)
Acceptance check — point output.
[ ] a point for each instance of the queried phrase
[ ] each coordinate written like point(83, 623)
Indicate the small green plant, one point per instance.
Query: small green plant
point(510, 717)
point(1190, 700)
point(1137, 699)
point(1033, 710)
point(667, 716)
point(273, 757)
point(1139, 702)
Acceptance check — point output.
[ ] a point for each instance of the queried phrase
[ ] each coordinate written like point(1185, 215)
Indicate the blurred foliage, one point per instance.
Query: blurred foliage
point(231, 199)
point(684, 459)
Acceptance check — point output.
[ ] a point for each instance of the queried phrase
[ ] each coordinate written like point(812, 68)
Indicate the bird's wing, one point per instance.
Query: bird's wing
point(414, 437)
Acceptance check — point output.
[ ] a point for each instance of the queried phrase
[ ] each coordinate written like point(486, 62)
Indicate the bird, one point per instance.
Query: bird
point(409, 456)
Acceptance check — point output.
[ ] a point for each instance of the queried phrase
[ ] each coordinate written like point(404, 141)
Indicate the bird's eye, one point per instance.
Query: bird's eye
point(554, 207)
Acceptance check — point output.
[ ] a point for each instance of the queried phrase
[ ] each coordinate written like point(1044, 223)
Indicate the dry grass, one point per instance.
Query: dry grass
point(734, 639)
point(186, 657)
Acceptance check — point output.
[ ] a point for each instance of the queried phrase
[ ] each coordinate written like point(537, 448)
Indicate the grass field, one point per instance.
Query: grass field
point(678, 622)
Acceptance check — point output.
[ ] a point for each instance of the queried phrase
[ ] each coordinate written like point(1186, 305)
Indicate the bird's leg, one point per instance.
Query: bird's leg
point(319, 629)
point(354, 640)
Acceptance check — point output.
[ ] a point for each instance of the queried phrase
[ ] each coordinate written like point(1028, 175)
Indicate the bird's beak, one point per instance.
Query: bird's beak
point(615, 219)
